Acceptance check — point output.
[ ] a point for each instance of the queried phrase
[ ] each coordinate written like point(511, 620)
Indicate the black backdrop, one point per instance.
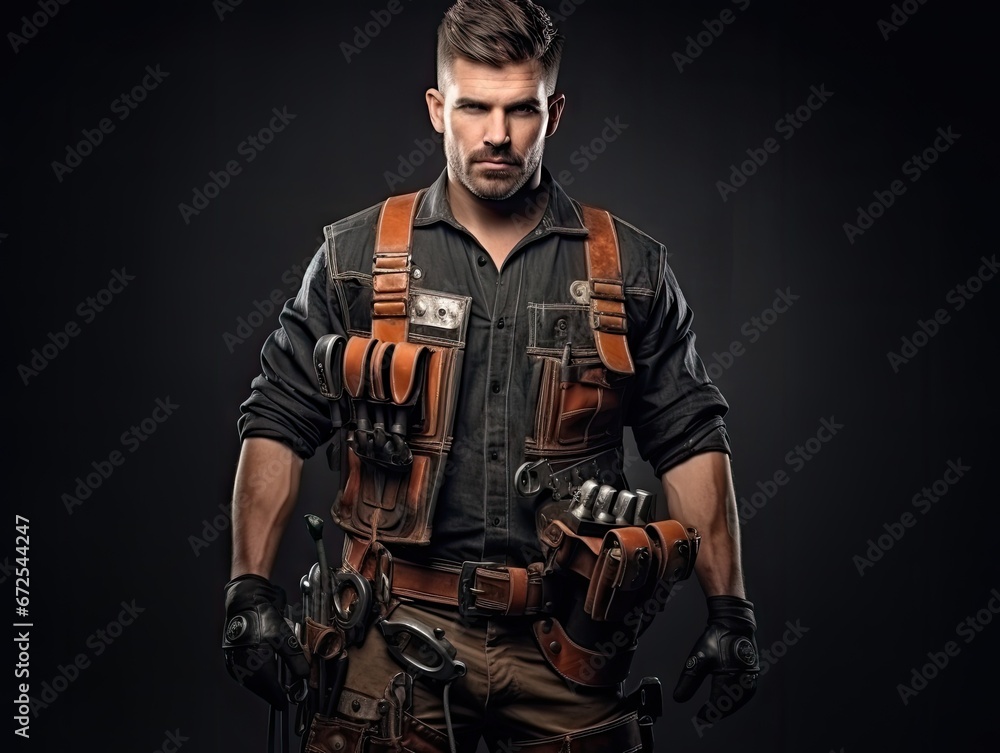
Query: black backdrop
point(153, 534)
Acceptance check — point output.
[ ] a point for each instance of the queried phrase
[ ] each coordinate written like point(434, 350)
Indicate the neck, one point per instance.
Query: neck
point(488, 214)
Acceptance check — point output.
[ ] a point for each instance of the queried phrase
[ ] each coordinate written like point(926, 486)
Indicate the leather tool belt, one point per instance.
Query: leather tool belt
point(486, 589)
point(402, 394)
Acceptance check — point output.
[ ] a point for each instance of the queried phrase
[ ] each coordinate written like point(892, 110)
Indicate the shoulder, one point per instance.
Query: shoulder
point(349, 240)
point(643, 257)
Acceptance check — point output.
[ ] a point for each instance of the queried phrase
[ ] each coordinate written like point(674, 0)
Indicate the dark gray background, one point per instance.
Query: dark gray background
point(836, 688)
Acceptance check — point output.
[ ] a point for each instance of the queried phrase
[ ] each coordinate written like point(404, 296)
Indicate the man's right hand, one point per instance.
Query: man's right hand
point(256, 634)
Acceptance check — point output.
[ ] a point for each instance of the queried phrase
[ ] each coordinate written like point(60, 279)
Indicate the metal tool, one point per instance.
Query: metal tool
point(305, 588)
point(643, 507)
point(583, 509)
point(315, 526)
point(602, 505)
point(624, 508)
point(352, 619)
point(399, 634)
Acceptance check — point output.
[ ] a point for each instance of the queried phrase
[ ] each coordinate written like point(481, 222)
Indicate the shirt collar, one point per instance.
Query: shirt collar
point(561, 214)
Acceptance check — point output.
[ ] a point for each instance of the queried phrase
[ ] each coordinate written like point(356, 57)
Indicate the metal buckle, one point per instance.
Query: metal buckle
point(467, 591)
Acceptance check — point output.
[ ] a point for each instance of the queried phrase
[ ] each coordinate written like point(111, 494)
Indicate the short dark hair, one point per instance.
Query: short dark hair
point(498, 32)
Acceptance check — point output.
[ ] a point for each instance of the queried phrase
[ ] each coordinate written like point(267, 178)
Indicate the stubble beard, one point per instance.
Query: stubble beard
point(492, 185)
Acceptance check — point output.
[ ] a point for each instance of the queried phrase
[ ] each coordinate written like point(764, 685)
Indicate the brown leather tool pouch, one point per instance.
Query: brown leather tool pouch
point(321, 642)
point(403, 402)
point(620, 579)
point(611, 594)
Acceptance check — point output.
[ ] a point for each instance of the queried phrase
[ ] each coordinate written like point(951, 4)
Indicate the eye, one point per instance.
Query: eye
point(525, 109)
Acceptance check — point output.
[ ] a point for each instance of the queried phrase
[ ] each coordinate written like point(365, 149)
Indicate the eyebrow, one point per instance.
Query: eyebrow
point(529, 102)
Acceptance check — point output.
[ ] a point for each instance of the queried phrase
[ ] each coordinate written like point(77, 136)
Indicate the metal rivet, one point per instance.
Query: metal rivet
point(417, 273)
point(356, 705)
point(337, 742)
point(561, 324)
point(554, 647)
point(421, 309)
point(383, 708)
point(439, 633)
point(442, 312)
point(547, 626)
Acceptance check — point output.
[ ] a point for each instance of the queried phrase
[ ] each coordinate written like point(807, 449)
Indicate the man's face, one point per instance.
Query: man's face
point(495, 121)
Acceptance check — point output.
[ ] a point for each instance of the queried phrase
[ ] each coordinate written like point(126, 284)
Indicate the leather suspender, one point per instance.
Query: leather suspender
point(391, 280)
point(607, 291)
point(391, 268)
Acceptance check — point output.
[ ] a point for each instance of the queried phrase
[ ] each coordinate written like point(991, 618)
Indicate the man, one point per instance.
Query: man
point(482, 369)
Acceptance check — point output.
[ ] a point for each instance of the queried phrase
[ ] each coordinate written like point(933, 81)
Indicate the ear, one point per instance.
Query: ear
point(435, 109)
point(556, 104)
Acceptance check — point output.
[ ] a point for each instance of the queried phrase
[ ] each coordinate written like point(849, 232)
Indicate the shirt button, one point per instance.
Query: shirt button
point(481, 261)
point(494, 455)
point(500, 323)
point(495, 386)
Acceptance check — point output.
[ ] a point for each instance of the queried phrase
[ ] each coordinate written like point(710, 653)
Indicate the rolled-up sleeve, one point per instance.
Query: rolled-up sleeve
point(285, 403)
point(675, 410)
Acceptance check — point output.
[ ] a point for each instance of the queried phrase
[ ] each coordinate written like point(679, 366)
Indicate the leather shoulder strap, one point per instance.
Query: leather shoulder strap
point(391, 268)
point(607, 291)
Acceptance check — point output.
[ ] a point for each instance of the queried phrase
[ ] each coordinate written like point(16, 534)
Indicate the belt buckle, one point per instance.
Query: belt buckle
point(467, 591)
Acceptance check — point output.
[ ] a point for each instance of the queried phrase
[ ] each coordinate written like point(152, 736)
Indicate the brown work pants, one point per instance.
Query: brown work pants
point(508, 696)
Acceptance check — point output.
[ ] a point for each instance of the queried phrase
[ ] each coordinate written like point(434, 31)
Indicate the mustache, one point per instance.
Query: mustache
point(495, 155)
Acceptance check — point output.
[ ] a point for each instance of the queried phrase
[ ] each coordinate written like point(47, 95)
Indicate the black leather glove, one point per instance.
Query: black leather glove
point(728, 651)
point(256, 634)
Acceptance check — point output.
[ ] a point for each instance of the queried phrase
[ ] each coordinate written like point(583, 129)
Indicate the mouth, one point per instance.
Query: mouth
point(494, 162)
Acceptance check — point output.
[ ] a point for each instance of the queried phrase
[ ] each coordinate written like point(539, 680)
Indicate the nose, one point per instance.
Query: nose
point(497, 134)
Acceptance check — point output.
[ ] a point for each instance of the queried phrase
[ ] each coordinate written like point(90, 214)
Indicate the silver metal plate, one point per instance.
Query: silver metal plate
point(437, 311)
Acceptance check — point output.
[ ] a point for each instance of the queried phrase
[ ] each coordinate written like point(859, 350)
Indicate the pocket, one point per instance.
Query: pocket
point(577, 408)
point(328, 733)
point(589, 407)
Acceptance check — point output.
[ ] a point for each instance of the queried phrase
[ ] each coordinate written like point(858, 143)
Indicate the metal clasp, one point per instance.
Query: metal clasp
point(467, 591)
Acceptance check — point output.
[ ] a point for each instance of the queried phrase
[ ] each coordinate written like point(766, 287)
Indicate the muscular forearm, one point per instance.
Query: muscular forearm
point(699, 493)
point(267, 484)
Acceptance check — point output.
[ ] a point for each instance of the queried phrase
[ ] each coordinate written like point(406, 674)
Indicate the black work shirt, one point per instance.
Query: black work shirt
point(524, 309)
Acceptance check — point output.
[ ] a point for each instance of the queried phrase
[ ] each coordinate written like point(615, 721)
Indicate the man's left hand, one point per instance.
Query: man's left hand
point(728, 651)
